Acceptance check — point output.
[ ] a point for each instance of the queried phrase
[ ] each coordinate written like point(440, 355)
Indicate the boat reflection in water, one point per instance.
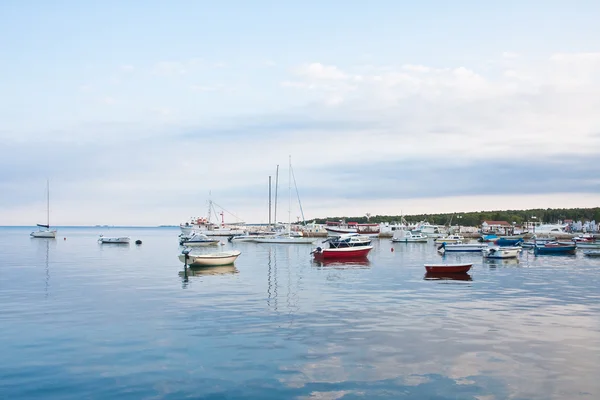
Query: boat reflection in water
point(447, 276)
point(201, 271)
point(361, 263)
point(501, 262)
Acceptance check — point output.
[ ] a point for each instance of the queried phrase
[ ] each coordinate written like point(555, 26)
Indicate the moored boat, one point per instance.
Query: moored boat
point(114, 240)
point(448, 268)
point(462, 247)
point(488, 238)
point(508, 242)
point(554, 248)
point(209, 259)
point(44, 230)
point(341, 252)
point(348, 240)
point(450, 239)
point(592, 253)
point(403, 236)
point(501, 252)
point(197, 240)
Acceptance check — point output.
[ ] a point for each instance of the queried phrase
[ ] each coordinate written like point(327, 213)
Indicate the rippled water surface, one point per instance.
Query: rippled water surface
point(83, 320)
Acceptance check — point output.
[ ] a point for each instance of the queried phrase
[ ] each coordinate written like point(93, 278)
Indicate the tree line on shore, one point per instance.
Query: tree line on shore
point(475, 218)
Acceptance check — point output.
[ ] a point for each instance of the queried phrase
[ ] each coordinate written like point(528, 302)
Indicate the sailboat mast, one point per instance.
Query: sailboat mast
point(269, 201)
point(48, 203)
point(276, 187)
point(290, 195)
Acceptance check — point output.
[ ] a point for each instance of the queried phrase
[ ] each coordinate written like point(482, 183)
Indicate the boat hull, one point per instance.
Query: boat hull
point(342, 253)
point(507, 242)
point(592, 253)
point(412, 240)
point(200, 244)
point(210, 260)
point(114, 240)
point(554, 250)
point(462, 247)
point(340, 231)
point(448, 268)
point(44, 234)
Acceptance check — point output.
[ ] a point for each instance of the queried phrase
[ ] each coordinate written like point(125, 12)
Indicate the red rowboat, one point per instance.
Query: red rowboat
point(342, 253)
point(449, 268)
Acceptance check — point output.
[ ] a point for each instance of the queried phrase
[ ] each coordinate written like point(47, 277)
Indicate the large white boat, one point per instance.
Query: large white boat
point(432, 231)
point(550, 229)
point(44, 230)
point(209, 228)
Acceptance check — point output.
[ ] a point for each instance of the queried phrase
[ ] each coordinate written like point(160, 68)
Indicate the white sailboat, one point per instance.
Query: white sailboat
point(288, 237)
point(44, 230)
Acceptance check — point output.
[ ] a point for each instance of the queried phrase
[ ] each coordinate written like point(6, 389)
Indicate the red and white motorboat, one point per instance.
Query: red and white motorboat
point(341, 253)
point(448, 268)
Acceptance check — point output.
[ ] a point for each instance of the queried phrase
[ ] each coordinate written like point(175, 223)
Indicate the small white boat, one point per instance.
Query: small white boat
point(462, 247)
point(114, 240)
point(450, 239)
point(209, 259)
point(592, 253)
point(402, 236)
point(198, 240)
point(501, 252)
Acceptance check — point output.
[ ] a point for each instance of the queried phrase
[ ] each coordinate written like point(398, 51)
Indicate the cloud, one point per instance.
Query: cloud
point(127, 68)
point(362, 137)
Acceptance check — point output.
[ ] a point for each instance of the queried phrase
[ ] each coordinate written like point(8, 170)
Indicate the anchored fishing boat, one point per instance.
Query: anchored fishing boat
point(448, 268)
point(501, 252)
point(209, 259)
point(341, 253)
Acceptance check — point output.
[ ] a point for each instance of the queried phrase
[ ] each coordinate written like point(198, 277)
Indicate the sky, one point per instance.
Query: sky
point(139, 112)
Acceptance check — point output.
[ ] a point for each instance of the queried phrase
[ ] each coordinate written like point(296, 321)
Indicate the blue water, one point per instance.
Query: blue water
point(80, 320)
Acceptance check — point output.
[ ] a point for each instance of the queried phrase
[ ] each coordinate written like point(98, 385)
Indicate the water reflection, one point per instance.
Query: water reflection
point(497, 262)
point(447, 276)
point(205, 271)
point(336, 264)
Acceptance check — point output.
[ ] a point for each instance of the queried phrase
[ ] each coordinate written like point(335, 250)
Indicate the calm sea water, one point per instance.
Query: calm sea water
point(79, 320)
